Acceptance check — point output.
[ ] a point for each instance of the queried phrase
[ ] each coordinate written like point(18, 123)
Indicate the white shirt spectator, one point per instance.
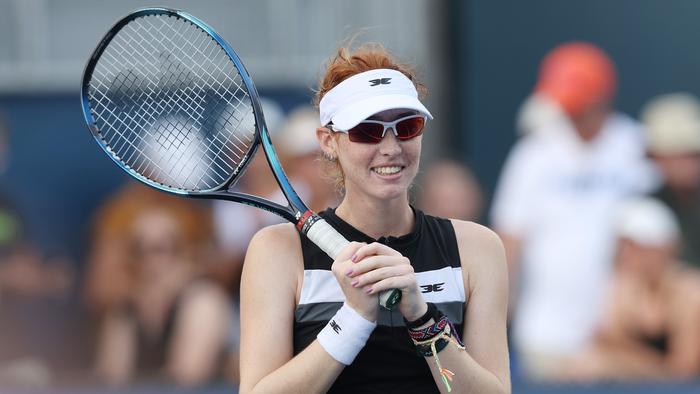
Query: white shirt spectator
point(558, 195)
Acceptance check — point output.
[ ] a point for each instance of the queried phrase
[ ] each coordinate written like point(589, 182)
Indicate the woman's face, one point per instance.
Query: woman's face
point(156, 242)
point(384, 170)
point(645, 260)
point(681, 171)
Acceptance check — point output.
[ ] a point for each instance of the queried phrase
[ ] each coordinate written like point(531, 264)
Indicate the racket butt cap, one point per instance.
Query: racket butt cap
point(390, 298)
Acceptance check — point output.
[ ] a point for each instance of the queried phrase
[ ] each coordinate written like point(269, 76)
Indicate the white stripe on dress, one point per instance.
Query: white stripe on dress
point(442, 285)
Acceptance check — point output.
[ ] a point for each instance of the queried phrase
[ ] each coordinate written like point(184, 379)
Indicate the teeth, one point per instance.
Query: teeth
point(386, 170)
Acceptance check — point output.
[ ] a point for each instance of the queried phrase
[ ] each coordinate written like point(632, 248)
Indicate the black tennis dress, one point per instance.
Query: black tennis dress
point(388, 363)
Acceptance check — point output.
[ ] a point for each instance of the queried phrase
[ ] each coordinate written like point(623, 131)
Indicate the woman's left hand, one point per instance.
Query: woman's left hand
point(378, 267)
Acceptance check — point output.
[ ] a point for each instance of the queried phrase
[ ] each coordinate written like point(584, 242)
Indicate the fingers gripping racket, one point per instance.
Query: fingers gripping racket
point(172, 104)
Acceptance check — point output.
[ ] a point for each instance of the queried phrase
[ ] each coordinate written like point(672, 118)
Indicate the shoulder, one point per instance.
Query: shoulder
point(204, 298)
point(531, 152)
point(275, 238)
point(624, 130)
point(623, 123)
point(530, 145)
point(685, 282)
point(277, 245)
point(481, 251)
point(472, 234)
point(274, 256)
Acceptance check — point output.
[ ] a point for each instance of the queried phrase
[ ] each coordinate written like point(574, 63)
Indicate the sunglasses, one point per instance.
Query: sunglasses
point(373, 131)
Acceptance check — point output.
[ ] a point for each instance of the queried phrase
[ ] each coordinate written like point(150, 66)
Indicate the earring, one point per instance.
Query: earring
point(329, 157)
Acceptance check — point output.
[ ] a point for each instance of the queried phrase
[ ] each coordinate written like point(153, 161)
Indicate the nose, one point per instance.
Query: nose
point(389, 145)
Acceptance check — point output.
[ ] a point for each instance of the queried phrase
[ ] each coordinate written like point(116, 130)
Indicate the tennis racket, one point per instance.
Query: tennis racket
point(171, 103)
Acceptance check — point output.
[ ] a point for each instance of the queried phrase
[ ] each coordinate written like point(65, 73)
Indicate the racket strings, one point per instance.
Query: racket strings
point(177, 75)
point(170, 104)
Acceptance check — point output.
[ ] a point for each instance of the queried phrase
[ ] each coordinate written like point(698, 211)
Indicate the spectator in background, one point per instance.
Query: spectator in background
point(673, 128)
point(161, 317)
point(651, 327)
point(235, 224)
point(299, 152)
point(554, 206)
point(298, 149)
point(448, 189)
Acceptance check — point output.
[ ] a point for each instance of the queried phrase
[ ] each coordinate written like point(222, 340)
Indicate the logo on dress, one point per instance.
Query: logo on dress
point(432, 288)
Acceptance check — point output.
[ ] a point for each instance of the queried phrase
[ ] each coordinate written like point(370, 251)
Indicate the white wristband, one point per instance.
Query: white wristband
point(345, 334)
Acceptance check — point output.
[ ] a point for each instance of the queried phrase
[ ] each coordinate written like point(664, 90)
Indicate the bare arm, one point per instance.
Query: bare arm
point(619, 354)
point(512, 245)
point(484, 366)
point(684, 342)
point(116, 348)
point(271, 275)
point(200, 334)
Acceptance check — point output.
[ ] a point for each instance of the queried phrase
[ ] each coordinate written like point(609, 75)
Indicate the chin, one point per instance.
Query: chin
point(390, 193)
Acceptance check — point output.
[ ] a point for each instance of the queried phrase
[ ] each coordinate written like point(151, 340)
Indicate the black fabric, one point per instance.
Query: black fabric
point(432, 313)
point(388, 363)
point(152, 349)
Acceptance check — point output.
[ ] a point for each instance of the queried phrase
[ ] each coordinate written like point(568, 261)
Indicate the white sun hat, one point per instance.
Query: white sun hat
point(365, 94)
point(673, 124)
point(647, 221)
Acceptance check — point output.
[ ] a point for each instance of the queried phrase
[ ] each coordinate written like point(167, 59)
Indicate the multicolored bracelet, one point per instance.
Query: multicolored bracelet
point(434, 338)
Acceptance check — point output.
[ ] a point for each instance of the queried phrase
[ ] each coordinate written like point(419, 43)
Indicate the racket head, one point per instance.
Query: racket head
point(171, 103)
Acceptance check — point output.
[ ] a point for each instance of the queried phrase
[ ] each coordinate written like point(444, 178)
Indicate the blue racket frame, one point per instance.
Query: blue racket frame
point(296, 209)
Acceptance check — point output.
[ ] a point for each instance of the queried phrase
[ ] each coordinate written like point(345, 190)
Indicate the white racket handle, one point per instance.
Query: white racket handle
point(327, 238)
point(332, 242)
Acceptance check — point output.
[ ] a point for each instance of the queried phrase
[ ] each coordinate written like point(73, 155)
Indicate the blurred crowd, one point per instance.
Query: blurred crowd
point(599, 213)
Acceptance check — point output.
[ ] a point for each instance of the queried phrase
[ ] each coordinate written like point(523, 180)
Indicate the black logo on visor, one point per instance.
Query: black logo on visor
point(379, 81)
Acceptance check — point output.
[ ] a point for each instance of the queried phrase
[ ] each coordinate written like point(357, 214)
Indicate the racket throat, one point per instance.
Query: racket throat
point(306, 220)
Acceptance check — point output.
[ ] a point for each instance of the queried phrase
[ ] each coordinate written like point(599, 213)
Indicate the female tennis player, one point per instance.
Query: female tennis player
point(312, 325)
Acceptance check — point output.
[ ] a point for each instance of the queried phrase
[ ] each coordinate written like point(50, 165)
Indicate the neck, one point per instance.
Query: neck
point(685, 196)
point(377, 219)
point(589, 123)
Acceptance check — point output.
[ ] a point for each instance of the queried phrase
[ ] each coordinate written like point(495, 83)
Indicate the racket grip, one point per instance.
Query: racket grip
point(326, 237)
point(332, 242)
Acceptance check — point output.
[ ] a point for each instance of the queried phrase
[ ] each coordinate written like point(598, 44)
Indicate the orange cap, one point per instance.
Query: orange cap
point(577, 75)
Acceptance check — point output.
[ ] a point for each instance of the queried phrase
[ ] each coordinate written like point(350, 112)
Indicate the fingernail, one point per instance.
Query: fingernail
point(354, 283)
point(349, 272)
point(354, 258)
point(368, 290)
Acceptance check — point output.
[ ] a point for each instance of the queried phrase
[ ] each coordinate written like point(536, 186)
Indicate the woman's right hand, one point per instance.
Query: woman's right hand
point(365, 304)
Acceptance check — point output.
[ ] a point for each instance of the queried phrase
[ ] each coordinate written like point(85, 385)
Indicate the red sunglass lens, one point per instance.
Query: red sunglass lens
point(366, 133)
point(409, 128)
point(371, 133)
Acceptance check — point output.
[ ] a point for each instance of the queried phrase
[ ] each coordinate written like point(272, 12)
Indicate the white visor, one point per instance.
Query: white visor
point(365, 94)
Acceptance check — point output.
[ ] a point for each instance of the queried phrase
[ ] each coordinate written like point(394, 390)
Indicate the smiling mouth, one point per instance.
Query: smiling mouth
point(389, 170)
